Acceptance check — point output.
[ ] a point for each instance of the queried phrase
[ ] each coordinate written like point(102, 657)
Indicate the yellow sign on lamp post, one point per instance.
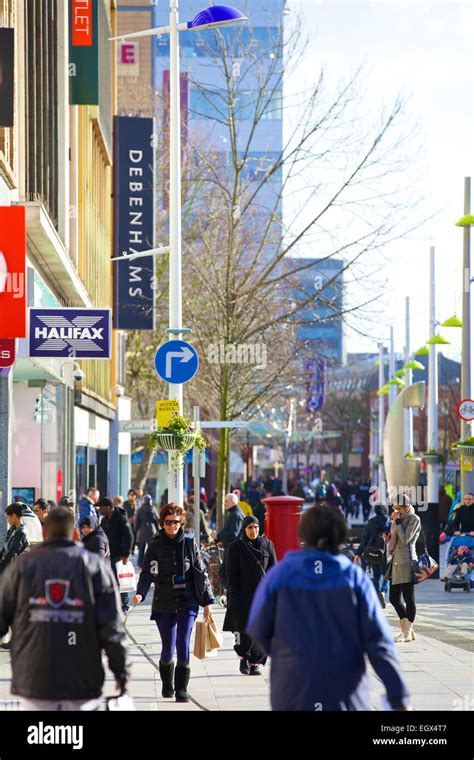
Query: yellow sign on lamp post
point(165, 410)
point(466, 464)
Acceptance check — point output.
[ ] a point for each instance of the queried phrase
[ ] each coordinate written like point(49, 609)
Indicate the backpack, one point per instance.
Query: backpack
point(321, 491)
point(374, 553)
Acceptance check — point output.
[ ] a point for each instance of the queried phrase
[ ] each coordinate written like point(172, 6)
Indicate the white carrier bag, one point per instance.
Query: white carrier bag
point(126, 576)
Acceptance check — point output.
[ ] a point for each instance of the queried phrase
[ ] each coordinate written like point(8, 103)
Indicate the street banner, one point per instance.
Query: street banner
point(12, 272)
point(83, 52)
point(315, 370)
point(133, 223)
point(7, 352)
point(74, 333)
point(7, 68)
point(165, 410)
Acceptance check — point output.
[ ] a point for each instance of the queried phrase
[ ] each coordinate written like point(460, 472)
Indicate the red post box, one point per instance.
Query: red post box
point(281, 522)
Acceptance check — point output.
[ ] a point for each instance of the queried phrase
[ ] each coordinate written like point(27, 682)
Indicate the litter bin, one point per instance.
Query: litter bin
point(281, 522)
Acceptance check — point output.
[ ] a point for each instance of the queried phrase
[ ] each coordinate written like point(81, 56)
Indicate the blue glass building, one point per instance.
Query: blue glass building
point(204, 115)
point(321, 328)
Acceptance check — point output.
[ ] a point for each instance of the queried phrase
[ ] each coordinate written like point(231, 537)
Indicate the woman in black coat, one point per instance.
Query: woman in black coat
point(248, 560)
point(174, 564)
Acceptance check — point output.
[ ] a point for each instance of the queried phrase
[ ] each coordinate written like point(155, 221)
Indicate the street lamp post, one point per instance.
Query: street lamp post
point(466, 222)
point(175, 391)
point(214, 16)
point(392, 390)
point(408, 411)
point(432, 443)
point(381, 419)
point(75, 374)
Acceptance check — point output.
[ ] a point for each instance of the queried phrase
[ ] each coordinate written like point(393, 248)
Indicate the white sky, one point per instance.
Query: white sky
point(422, 50)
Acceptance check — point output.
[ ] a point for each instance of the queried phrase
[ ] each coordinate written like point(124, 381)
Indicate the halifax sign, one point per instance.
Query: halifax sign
point(133, 223)
point(73, 333)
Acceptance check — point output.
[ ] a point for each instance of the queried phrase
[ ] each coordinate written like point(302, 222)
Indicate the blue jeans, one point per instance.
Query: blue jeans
point(381, 585)
point(175, 630)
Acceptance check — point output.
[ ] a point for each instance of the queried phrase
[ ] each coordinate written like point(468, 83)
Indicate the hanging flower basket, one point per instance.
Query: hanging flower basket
point(178, 437)
point(465, 451)
point(173, 442)
point(462, 448)
point(431, 458)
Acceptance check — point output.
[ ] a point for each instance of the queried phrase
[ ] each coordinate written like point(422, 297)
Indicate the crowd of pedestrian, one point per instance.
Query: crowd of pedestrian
point(60, 564)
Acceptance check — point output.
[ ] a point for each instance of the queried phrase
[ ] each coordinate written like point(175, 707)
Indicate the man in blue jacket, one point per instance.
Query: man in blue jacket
point(316, 614)
point(87, 504)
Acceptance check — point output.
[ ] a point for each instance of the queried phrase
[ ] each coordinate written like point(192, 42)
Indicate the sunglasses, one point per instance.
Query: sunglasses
point(172, 522)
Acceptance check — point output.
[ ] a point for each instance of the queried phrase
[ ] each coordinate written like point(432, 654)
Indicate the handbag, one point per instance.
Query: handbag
point(424, 566)
point(216, 639)
point(203, 646)
point(126, 577)
point(199, 577)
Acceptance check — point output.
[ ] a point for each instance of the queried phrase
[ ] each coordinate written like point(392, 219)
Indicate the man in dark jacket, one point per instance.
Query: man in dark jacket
point(231, 530)
point(131, 508)
point(94, 538)
point(464, 516)
point(119, 533)
point(17, 540)
point(53, 597)
point(375, 532)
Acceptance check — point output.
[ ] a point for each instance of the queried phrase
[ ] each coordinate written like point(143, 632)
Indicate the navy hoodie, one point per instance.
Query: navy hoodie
point(316, 614)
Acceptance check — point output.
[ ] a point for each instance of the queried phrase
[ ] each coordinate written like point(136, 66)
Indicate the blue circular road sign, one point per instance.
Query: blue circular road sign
point(176, 362)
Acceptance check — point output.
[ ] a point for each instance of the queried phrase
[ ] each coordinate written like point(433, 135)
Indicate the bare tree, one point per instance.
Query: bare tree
point(243, 264)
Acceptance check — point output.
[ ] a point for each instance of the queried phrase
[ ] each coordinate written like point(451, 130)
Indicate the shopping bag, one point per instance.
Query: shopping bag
point(122, 703)
point(216, 639)
point(126, 577)
point(203, 648)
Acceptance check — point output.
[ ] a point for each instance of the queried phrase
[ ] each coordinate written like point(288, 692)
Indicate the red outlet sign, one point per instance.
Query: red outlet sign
point(12, 272)
point(82, 33)
point(7, 352)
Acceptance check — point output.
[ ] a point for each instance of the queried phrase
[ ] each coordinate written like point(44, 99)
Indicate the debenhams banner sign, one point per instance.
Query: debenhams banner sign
point(133, 223)
point(74, 333)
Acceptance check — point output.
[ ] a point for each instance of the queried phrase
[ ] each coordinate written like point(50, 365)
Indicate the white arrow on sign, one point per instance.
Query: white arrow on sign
point(184, 356)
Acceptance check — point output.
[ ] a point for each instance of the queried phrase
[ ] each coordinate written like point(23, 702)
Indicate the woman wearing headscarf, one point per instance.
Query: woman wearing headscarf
point(404, 533)
point(248, 560)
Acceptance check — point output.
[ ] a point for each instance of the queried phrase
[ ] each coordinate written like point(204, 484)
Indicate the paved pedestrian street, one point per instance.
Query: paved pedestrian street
point(439, 674)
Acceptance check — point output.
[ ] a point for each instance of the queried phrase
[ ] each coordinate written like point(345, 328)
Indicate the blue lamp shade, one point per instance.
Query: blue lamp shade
point(216, 15)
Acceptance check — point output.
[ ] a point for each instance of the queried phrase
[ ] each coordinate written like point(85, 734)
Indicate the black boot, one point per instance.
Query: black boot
point(166, 673)
point(181, 680)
